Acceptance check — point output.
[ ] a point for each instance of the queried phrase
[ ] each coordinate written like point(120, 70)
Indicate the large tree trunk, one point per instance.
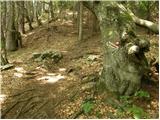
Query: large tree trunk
point(124, 60)
point(11, 41)
point(4, 60)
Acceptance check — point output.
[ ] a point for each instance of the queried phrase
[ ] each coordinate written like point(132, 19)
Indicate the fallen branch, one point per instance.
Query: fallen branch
point(6, 67)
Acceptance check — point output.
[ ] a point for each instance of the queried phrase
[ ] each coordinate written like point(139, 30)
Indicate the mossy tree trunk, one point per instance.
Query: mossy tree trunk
point(124, 60)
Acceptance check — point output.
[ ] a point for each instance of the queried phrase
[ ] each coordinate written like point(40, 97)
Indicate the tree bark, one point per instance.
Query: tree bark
point(28, 18)
point(51, 9)
point(21, 17)
point(124, 60)
point(4, 59)
point(11, 41)
point(80, 27)
point(36, 13)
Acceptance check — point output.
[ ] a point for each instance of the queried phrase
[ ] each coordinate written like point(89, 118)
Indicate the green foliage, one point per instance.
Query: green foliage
point(98, 114)
point(128, 106)
point(126, 100)
point(136, 111)
point(87, 107)
point(142, 94)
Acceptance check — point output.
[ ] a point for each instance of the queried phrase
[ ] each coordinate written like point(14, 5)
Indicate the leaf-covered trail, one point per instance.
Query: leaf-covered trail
point(57, 90)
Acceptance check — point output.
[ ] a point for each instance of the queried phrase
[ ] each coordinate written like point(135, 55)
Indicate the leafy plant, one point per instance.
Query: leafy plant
point(137, 112)
point(141, 93)
point(87, 107)
point(126, 100)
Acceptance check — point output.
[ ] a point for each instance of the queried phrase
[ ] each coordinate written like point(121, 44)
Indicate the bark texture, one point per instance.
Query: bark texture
point(124, 59)
point(11, 41)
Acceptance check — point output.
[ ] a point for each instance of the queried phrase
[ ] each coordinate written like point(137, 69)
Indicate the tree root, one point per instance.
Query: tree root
point(17, 94)
point(19, 113)
point(37, 110)
point(12, 106)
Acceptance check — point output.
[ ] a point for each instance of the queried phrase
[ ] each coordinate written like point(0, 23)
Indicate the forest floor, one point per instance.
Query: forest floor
point(65, 89)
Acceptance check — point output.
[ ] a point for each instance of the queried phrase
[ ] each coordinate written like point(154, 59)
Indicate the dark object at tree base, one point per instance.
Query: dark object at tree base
point(6, 67)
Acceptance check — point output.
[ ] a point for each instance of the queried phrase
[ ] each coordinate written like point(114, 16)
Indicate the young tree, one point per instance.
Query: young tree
point(80, 27)
point(21, 19)
point(27, 16)
point(124, 59)
point(37, 10)
point(51, 9)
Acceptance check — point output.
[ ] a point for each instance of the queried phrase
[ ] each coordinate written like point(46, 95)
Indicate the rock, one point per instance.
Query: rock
point(55, 56)
point(36, 55)
point(93, 57)
point(88, 86)
point(7, 66)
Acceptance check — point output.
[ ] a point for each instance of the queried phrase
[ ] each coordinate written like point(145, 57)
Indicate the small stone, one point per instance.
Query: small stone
point(88, 86)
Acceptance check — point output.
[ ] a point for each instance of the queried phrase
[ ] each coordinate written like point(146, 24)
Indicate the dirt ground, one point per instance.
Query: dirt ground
point(56, 90)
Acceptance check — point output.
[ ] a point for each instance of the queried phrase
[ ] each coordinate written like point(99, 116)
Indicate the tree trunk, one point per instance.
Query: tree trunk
point(80, 27)
point(3, 17)
point(36, 13)
point(4, 60)
point(11, 41)
point(51, 9)
point(124, 60)
point(21, 17)
point(28, 18)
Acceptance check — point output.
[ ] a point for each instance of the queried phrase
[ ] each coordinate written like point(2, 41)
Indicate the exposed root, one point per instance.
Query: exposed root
point(40, 107)
point(17, 94)
point(13, 105)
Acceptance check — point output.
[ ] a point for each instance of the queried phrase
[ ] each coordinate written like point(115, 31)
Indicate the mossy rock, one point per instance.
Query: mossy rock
point(55, 56)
